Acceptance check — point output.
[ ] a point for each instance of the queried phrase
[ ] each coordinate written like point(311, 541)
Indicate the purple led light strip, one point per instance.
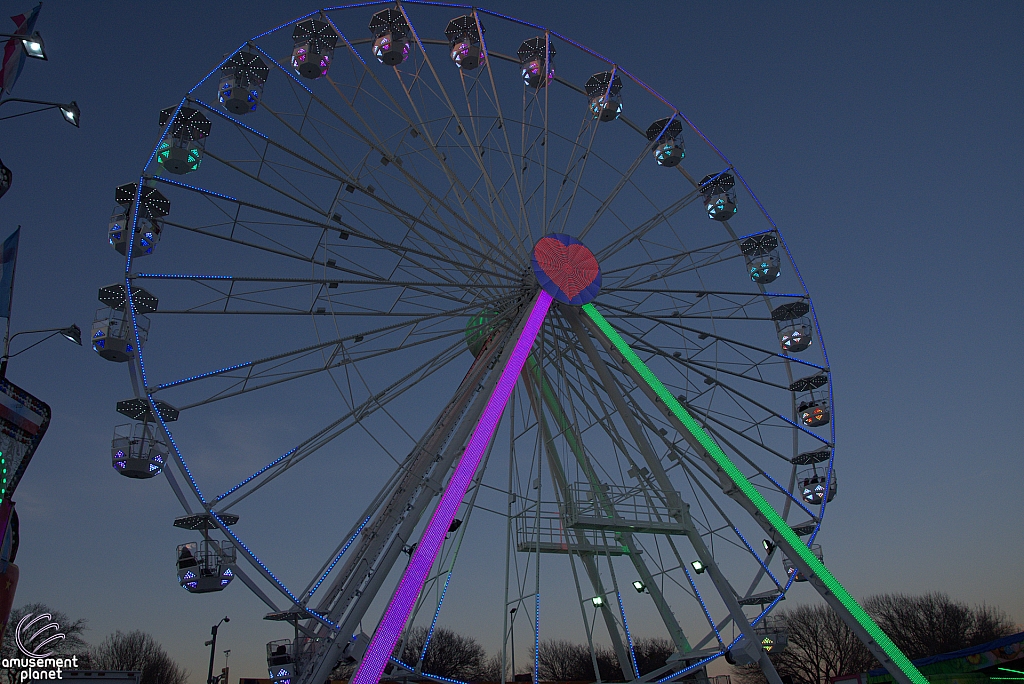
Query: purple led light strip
point(397, 614)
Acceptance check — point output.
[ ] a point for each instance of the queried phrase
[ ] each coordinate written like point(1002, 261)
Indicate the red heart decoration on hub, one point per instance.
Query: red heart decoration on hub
point(571, 267)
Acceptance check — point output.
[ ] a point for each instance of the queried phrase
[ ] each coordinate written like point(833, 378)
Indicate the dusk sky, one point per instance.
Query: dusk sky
point(884, 139)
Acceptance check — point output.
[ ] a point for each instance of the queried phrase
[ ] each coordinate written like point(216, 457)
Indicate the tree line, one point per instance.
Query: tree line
point(134, 650)
point(821, 646)
point(457, 656)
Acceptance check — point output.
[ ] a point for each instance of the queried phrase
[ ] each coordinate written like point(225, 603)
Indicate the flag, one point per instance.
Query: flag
point(8, 257)
point(14, 54)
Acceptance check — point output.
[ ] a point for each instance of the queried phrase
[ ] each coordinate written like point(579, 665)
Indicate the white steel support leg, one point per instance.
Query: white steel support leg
point(735, 485)
point(586, 555)
point(573, 438)
point(680, 512)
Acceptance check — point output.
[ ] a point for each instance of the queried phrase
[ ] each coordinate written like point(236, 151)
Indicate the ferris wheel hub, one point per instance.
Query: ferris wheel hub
point(566, 269)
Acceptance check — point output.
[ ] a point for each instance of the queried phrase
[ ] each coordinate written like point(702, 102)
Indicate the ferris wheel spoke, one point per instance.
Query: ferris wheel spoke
point(718, 416)
point(695, 366)
point(402, 251)
point(485, 139)
point(660, 218)
point(708, 416)
point(513, 162)
point(288, 253)
point(623, 181)
point(599, 417)
point(339, 426)
point(337, 344)
point(673, 257)
point(626, 314)
point(406, 217)
point(250, 382)
point(703, 305)
point(492, 196)
point(655, 318)
point(454, 183)
point(381, 282)
point(346, 176)
point(691, 464)
point(577, 163)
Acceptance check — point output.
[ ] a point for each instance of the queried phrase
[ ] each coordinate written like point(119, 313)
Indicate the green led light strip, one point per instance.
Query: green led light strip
point(816, 567)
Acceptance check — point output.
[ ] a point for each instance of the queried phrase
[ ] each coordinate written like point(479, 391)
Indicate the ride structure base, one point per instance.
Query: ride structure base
point(877, 641)
point(388, 631)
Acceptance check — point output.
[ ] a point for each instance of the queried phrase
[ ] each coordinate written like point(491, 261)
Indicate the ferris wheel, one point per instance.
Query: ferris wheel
point(441, 316)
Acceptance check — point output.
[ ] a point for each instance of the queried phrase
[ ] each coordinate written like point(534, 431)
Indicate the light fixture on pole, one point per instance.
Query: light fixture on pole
point(768, 545)
point(212, 643)
point(71, 113)
point(512, 631)
point(72, 333)
point(33, 46)
point(698, 567)
point(639, 586)
point(598, 601)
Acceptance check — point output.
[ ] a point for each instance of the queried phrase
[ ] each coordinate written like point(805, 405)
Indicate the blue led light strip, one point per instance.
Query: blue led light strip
point(278, 28)
point(691, 668)
point(167, 128)
point(337, 558)
point(183, 276)
point(202, 191)
point(205, 375)
point(760, 232)
point(702, 605)
point(285, 71)
point(215, 69)
point(755, 555)
point(232, 119)
point(788, 493)
point(714, 178)
point(257, 474)
point(629, 638)
point(224, 528)
point(436, 678)
point(536, 636)
point(801, 427)
point(350, 47)
point(430, 632)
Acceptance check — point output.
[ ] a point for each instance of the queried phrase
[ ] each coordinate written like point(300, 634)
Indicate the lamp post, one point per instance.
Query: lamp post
point(32, 45)
point(72, 333)
point(512, 632)
point(70, 111)
point(224, 672)
point(212, 643)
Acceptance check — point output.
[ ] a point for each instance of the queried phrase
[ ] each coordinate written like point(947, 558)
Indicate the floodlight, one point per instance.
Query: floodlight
point(72, 334)
point(71, 113)
point(768, 546)
point(598, 601)
point(639, 586)
point(34, 46)
point(698, 567)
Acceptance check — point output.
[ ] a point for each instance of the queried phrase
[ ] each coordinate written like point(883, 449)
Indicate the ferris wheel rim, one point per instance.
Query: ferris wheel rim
point(129, 284)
